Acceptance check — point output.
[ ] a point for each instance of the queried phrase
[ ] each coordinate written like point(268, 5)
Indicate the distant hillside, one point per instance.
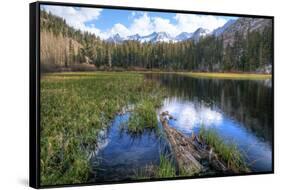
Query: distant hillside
point(61, 46)
point(228, 30)
point(217, 32)
point(245, 26)
point(242, 45)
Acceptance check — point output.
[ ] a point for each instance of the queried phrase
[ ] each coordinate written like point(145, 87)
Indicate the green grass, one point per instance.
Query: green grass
point(166, 168)
point(144, 116)
point(233, 76)
point(216, 75)
point(228, 152)
point(75, 107)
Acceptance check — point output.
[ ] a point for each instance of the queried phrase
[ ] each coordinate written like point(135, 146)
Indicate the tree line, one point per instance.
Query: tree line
point(247, 53)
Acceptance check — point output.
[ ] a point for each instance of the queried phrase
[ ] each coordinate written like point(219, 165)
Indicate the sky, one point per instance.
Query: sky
point(108, 22)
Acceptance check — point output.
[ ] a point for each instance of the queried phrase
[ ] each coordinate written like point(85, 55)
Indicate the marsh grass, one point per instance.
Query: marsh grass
point(232, 76)
point(216, 75)
point(228, 152)
point(144, 116)
point(166, 167)
point(75, 107)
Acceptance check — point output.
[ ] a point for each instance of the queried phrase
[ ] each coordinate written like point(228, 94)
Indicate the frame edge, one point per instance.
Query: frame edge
point(33, 106)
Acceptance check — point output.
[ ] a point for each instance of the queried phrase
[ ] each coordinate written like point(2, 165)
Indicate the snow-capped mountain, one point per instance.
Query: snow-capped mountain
point(148, 38)
point(199, 33)
point(221, 29)
point(135, 37)
point(116, 39)
point(155, 37)
point(183, 36)
point(162, 37)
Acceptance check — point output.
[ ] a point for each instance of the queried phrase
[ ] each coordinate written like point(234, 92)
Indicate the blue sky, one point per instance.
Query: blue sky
point(108, 22)
point(109, 17)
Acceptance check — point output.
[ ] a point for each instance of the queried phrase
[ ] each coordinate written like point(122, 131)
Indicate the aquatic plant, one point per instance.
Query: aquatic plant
point(228, 152)
point(147, 172)
point(166, 167)
point(144, 116)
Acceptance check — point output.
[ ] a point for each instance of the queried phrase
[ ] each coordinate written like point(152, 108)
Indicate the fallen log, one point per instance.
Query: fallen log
point(182, 148)
point(190, 152)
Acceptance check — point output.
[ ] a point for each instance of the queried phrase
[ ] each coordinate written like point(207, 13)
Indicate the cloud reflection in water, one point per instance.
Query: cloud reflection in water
point(189, 114)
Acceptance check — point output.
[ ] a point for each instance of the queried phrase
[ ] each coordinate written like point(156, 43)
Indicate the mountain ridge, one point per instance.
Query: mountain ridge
point(227, 31)
point(161, 37)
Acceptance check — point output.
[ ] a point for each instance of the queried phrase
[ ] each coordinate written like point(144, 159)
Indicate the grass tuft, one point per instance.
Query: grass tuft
point(166, 168)
point(144, 116)
point(228, 152)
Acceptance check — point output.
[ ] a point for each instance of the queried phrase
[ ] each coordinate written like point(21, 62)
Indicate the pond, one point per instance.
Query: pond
point(122, 155)
point(240, 111)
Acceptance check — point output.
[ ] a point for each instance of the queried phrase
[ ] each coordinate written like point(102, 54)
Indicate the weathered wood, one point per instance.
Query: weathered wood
point(182, 148)
point(190, 151)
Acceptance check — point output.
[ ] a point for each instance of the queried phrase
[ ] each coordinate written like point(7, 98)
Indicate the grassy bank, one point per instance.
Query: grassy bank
point(218, 75)
point(75, 107)
point(228, 152)
point(165, 169)
point(236, 76)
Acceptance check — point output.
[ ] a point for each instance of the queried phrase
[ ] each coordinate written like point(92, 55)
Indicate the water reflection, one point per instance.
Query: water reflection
point(189, 114)
point(240, 110)
point(125, 154)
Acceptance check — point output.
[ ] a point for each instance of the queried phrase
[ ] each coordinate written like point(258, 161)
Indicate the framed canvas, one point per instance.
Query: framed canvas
point(126, 94)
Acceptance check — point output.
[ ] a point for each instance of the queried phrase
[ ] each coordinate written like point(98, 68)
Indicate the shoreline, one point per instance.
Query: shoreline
point(230, 75)
point(215, 75)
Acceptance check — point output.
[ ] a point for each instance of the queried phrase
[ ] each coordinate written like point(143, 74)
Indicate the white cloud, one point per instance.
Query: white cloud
point(76, 17)
point(119, 29)
point(144, 24)
point(164, 25)
point(141, 22)
point(191, 22)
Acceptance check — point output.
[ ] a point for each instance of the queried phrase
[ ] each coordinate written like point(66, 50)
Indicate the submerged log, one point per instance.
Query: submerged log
point(189, 152)
point(182, 148)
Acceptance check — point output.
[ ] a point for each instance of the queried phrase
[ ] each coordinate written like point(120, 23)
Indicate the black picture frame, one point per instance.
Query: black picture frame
point(34, 89)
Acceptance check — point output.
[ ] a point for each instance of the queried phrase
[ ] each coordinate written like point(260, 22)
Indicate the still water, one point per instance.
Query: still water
point(122, 155)
point(240, 110)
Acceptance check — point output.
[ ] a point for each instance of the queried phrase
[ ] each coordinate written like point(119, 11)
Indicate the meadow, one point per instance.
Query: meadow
point(75, 107)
